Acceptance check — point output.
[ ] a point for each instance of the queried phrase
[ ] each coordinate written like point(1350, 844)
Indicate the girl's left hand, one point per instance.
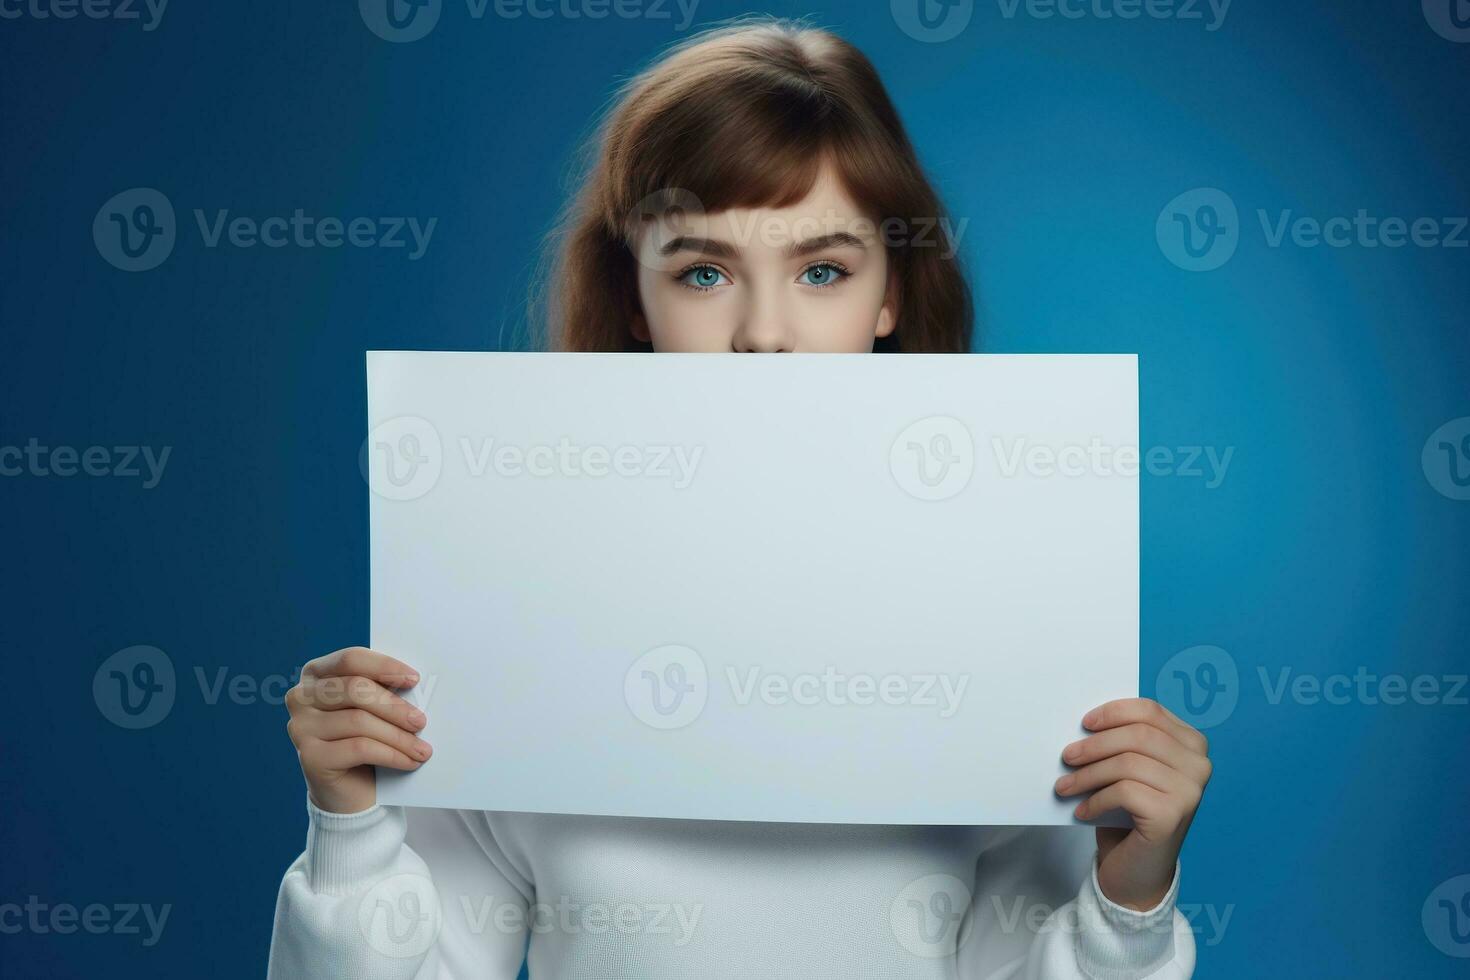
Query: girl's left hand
point(1147, 762)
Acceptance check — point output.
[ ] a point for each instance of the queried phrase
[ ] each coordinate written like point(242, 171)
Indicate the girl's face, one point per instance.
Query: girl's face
point(812, 277)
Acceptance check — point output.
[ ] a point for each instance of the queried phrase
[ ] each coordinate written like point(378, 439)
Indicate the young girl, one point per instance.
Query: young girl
point(752, 191)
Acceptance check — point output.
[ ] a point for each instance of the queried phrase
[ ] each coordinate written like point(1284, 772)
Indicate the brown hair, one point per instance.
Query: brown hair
point(744, 116)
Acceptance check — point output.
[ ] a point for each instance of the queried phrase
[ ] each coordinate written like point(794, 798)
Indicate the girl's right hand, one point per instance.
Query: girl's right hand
point(345, 719)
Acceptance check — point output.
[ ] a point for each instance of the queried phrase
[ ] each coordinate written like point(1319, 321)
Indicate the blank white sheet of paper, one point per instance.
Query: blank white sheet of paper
point(831, 588)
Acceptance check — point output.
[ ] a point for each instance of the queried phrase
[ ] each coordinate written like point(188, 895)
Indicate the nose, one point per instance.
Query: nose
point(764, 328)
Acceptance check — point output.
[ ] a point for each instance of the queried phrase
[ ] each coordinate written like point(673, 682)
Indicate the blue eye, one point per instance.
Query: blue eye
point(823, 274)
point(702, 277)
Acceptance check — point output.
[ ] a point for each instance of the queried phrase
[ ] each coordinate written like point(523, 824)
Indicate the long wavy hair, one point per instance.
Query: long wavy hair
point(744, 116)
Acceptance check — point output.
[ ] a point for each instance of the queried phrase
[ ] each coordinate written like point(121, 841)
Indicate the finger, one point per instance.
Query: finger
point(331, 726)
point(1137, 800)
point(1146, 711)
point(1128, 711)
point(349, 753)
point(362, 662)
point(1143, 739)
point(340, 693)
point(1128, 765)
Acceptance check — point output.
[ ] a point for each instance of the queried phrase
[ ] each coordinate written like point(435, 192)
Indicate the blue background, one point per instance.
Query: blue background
point(1324, 549)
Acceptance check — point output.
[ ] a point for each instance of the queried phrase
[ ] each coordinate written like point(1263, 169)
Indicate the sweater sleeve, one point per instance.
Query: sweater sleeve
point(1030, 920)
point(400, 894)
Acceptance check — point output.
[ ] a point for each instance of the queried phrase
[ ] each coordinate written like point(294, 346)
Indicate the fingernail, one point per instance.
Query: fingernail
point(1089, 719)
point(1078, 812)
point(424, 749)
point(1064, 784)
point(413, 679)
point(417, 718)
point(1072, 751)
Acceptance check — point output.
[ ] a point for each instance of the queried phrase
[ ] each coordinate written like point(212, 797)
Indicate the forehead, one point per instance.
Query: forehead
point(827, 195)
point(827, 207)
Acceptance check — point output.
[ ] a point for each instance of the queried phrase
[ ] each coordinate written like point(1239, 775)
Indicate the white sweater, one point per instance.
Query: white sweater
point(456, 894)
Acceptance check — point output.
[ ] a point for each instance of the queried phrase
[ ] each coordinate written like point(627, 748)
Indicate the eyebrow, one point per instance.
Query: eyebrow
point(724, 250)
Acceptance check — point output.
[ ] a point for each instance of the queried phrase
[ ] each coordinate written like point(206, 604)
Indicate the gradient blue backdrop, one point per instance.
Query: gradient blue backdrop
point(1324, 549)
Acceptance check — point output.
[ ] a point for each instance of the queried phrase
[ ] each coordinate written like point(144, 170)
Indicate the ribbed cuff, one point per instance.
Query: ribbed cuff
point(346, 850)
point(1118, 943)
